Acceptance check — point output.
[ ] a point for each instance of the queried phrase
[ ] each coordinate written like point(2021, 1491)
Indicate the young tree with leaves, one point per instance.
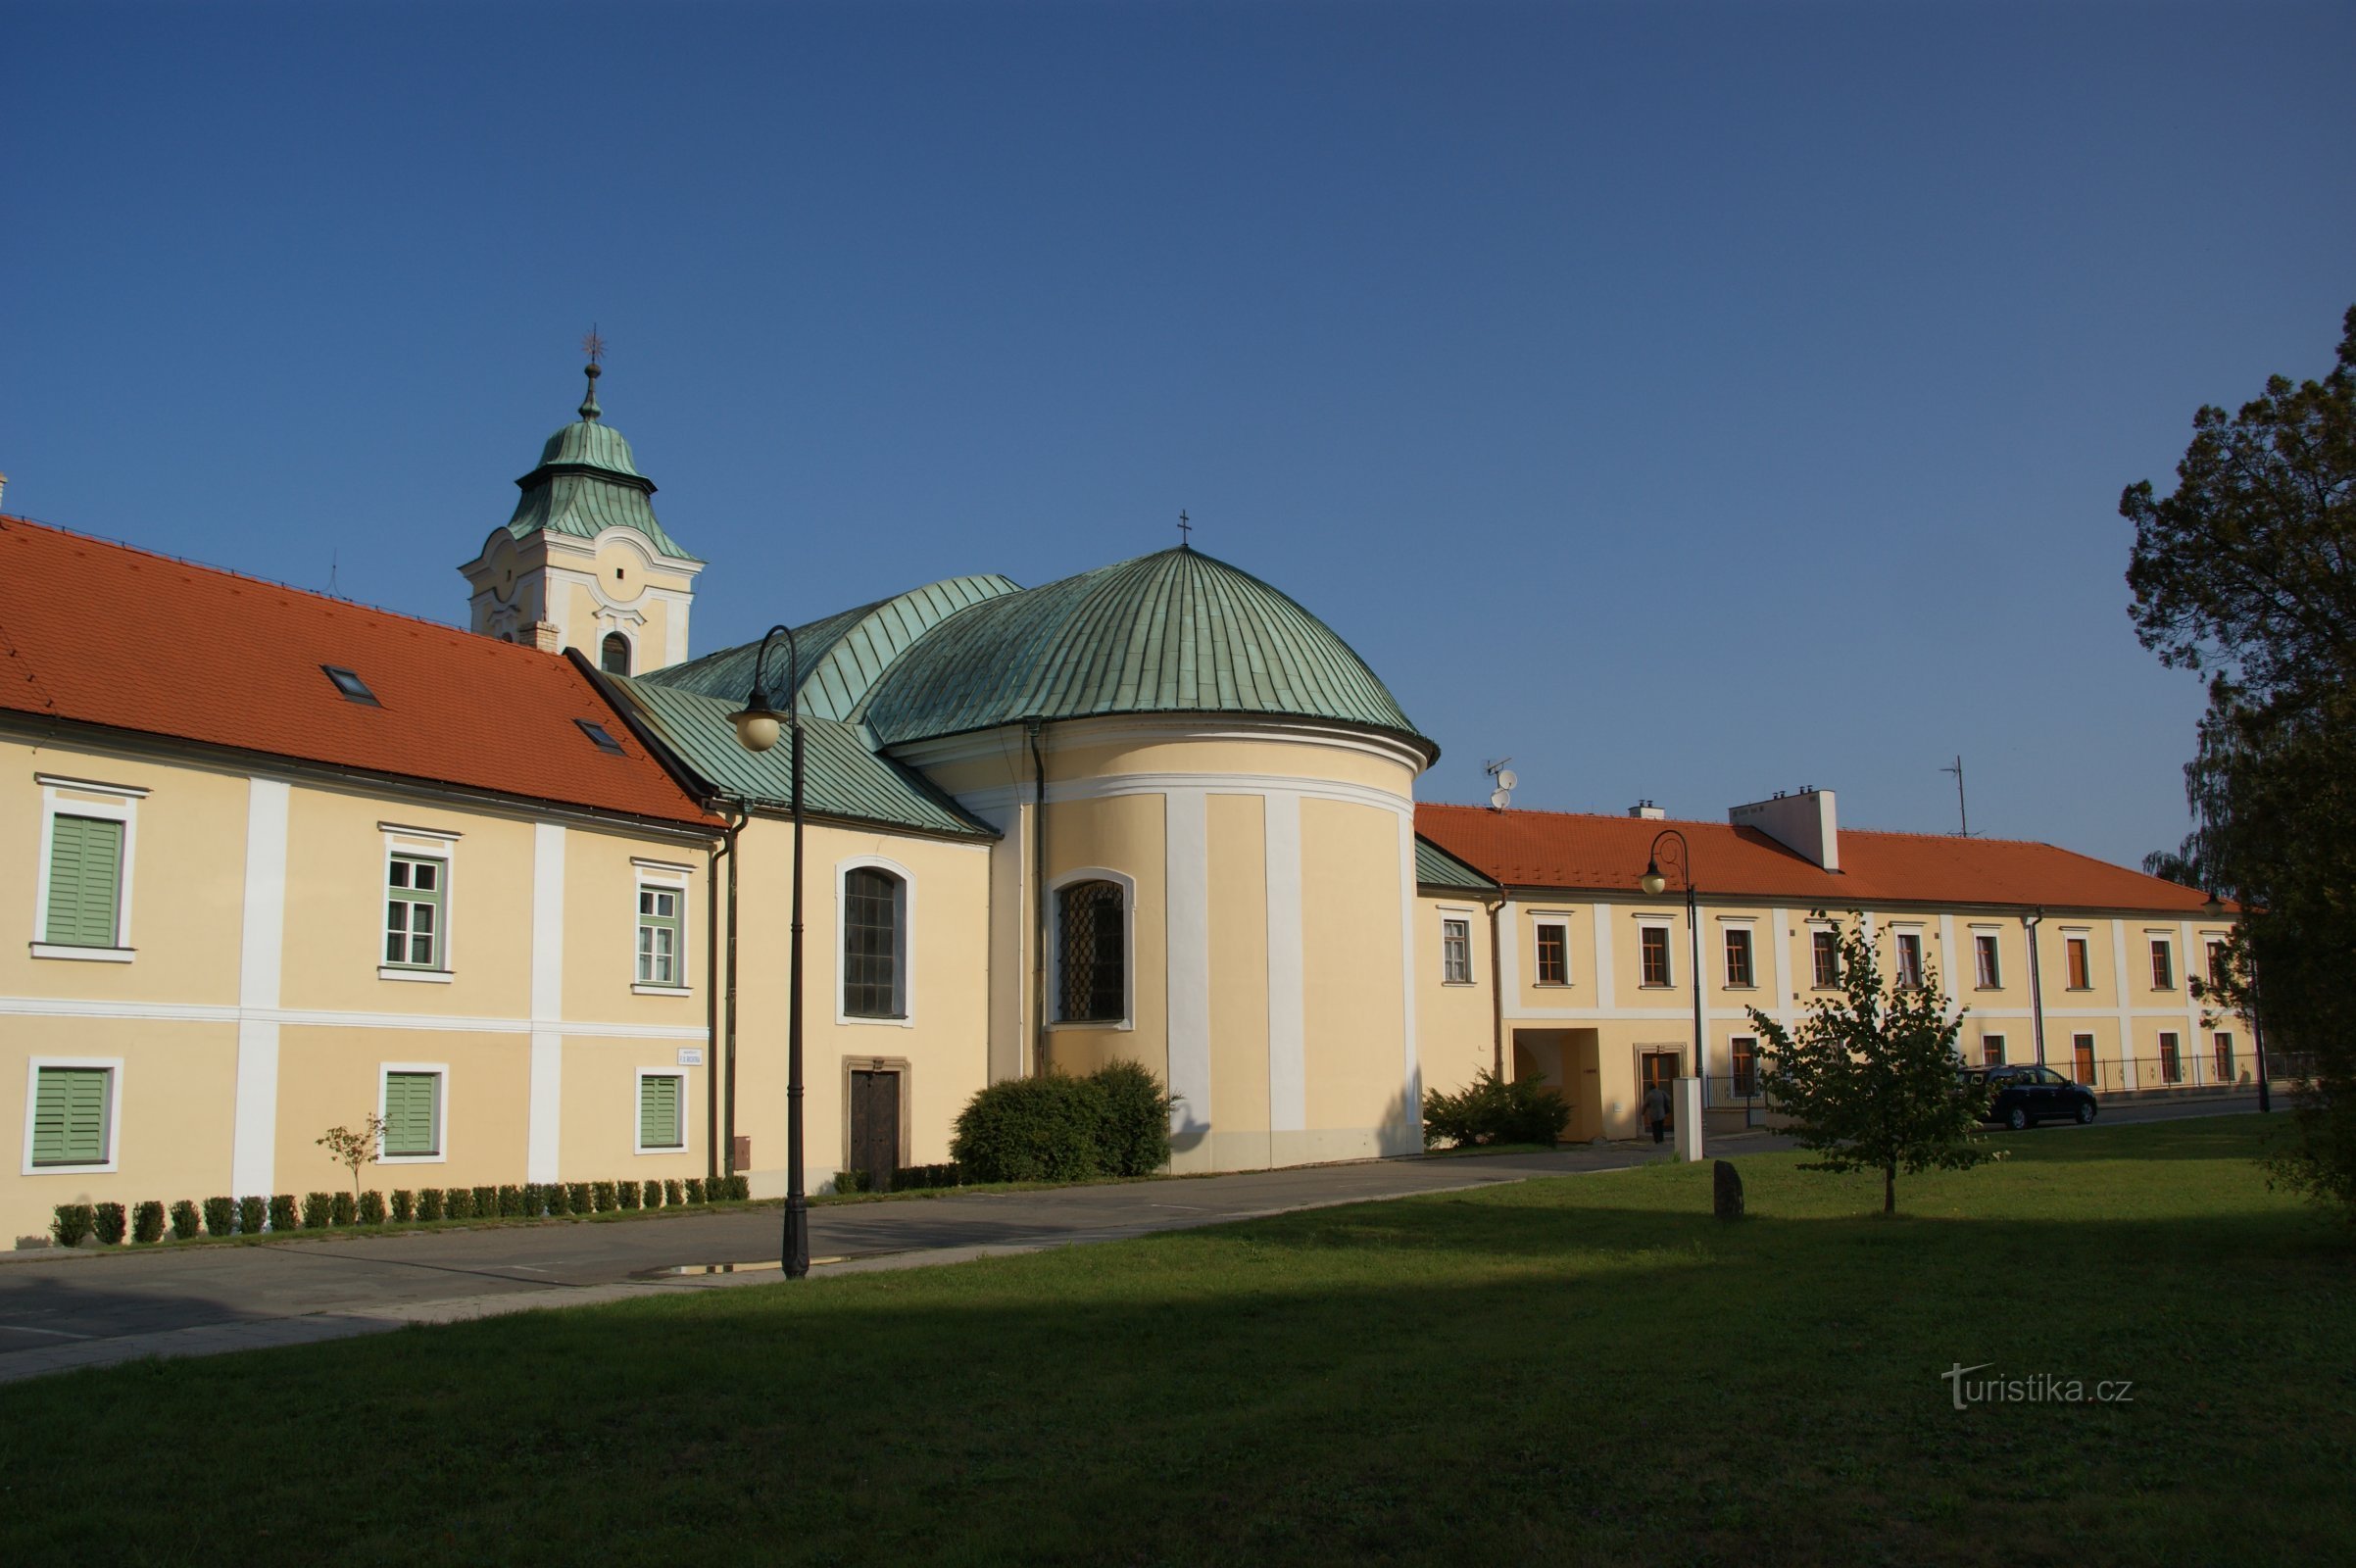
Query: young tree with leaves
point(1872, 1079)
point(2247, 572)
point(355, 1148)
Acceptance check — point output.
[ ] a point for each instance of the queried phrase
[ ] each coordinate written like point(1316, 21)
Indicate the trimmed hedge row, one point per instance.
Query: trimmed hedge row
point(72, 1224)
point(907, 1177)
point(1058, 1128)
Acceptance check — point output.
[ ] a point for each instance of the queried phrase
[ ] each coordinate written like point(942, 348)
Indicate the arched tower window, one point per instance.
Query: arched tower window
point(1092, 959)
point(614, 655)
point(874, 944)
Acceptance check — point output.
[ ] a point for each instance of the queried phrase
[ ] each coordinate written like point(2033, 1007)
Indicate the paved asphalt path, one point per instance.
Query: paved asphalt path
point(85, 1308)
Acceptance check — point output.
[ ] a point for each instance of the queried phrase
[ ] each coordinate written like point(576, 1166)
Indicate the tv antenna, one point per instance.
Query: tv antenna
point(1962, 812)
point(1504, 778)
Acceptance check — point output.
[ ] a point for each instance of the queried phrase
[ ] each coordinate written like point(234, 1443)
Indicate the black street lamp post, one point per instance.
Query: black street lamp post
point(1653, 882)
point(757, 730)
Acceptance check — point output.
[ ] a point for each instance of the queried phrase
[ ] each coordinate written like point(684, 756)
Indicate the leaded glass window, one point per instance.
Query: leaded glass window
point(872, 910)
point(1092, 953)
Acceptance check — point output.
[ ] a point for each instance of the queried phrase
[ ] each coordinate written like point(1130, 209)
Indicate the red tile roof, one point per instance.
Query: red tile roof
point(1607, 854)
point(107, 634)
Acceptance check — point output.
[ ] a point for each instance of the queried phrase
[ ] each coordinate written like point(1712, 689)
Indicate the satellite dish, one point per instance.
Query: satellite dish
point(1499, 798)
point(1507, 778)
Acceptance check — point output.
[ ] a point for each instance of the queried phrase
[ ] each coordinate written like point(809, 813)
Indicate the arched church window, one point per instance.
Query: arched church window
point(614, 656)
point(1092, 959)
point(875, 945)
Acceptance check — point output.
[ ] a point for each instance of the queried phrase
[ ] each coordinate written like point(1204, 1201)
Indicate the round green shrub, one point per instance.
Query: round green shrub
point(429, 1205)
point(72, 1224)
point(283, 1211)
point(111, 1222)
point(1491, 1110)
point(1032, 1130)
point(346, 1210)
point(1134, 1137)
point(371, 1208)
point(251, 1215)
point(459, 1203)
point(221, 1217)
point(147, 1223)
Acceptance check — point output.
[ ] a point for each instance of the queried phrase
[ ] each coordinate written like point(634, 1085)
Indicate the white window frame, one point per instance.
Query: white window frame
point(1664, 925)
point(2084, 936)
point(1539, 922)
point(1054, 947)
point(1832, 930)
point(638, 1106)
point(1898, 935)
point(441, 1110)
point(2176, 972)
point(1994, 934)
point(1732, 1041)
point(114, 803)
point(668, 876)
point(32, 1088)
point(1750, 925)
point(1451, 913)
point(2004, 1050)
point(434, 843)
point(904, 952)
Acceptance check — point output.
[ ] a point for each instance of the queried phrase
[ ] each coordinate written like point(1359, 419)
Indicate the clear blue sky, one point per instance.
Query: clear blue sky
point(1690, 401)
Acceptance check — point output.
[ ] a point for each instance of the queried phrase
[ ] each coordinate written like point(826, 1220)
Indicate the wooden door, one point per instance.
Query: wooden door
point(1658, 1067)
point(875, 1125)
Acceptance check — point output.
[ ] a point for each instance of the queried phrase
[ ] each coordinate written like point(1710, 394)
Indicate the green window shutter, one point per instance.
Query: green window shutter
point(659, 1112)
point(86, 881)
point(408, 1112)
point(69, 1116)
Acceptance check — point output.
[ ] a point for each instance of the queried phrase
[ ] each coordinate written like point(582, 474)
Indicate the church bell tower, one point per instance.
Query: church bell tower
point(584, 563)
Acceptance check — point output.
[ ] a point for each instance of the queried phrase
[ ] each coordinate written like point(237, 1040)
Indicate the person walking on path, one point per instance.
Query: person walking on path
point(1657, 1110)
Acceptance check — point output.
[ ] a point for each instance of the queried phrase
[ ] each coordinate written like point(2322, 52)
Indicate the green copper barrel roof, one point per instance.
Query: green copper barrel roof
point(843, 656)
point(842, 777)
point(1434, 867)
point(1174, 632)
point(587, 481)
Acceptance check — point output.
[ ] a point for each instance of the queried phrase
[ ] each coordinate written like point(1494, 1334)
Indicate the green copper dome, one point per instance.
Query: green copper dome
point(1175, 632)
point(587, 482)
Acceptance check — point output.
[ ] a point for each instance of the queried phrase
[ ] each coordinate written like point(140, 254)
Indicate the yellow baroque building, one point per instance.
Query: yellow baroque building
point(519, 890)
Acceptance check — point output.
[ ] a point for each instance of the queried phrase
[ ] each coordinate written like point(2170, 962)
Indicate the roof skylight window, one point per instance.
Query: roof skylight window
point(353, 688)
point(598, 736)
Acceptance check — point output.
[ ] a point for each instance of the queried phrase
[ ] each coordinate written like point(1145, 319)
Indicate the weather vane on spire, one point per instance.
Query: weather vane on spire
point(1186, 532)
point(595, 347)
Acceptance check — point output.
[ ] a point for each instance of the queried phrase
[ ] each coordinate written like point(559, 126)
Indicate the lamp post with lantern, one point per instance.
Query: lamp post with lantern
point(1653, 883)
point(757, 730)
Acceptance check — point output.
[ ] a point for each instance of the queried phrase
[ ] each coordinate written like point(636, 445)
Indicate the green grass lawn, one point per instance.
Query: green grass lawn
point(1587, 1370)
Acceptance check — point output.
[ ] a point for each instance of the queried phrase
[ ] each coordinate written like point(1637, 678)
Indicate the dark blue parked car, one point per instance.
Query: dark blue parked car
point(2026, 1095)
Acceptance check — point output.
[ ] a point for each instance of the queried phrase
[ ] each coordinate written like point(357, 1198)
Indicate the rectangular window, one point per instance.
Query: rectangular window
point(1553, 953)
point(69, 1108)
point(413, 1114)
point(1745, 1061)
point(1455, 952)
point(2172, 1061)
point(86, 881)
point(660, 1124)
point(2163, 965)
point(1991, 1051)
point(2215, 963)
point(1826, 944)
point(657, 936)
point(412, 913)
point(2082, 973)
point(1655, 956)
point(1910, 961)
point(2082, 1048)
point(1984, 952)
point(2224, 1044)
point(1737, 956)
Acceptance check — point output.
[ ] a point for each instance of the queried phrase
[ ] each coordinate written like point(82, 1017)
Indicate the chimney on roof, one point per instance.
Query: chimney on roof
point(3, 484)
point(1802, 822)
point(1649, 811)
point(547, 638)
